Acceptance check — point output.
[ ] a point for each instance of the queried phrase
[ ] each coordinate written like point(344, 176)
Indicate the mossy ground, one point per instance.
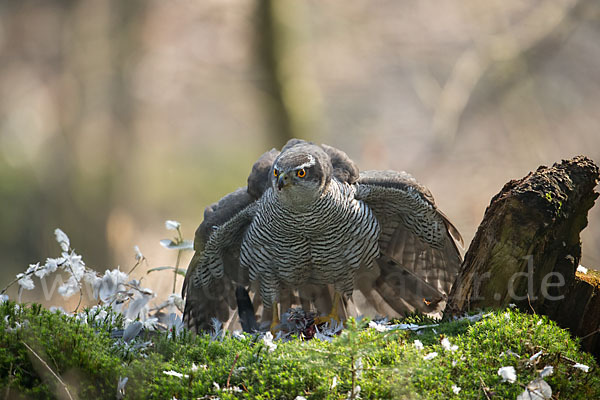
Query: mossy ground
point(384, 364)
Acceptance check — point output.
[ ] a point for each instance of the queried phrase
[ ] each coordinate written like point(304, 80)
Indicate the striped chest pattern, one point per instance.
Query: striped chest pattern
point(321, 244)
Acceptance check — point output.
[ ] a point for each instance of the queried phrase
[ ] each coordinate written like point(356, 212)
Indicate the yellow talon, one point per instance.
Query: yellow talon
point(275, 319)
point(327, 318)
point(333, 315)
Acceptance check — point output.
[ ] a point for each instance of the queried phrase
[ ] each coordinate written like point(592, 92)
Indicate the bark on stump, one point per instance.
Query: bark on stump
point(579, 312)
point(527, 249)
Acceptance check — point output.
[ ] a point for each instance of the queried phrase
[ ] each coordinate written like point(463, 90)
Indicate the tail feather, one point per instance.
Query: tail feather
point(245, 310)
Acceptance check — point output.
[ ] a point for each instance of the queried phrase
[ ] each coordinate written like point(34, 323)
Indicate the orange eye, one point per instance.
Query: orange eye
point(301, 173)
point(275, 172)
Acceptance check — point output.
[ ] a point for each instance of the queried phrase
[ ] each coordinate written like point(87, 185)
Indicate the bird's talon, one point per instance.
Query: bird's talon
point(323, 319)
point(274, 329)
point(275, 322)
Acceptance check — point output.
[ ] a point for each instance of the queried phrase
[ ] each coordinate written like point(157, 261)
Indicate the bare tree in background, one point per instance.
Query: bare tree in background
point(505, 60)
point(81, 65)
point(282, 39)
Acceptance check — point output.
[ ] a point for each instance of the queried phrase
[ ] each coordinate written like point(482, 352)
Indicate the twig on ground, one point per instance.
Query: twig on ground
point(45, 364)
point(485, 389)
point(590, 334)
point(232, 367)
point(530, 306)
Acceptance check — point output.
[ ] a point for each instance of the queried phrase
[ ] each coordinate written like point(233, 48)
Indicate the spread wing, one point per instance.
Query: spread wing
point(214, 273)
point(418, 244)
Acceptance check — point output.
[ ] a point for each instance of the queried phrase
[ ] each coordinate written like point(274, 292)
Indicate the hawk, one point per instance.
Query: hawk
point(311, 230)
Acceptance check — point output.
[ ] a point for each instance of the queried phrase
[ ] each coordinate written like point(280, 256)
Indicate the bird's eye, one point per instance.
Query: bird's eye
point(276, 173)
point(301, 173)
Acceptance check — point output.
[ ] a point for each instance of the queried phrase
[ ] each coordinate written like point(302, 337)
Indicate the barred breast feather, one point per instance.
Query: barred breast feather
point(323, 244)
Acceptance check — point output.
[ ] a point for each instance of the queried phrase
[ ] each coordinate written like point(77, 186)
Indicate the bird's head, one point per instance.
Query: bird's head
point(301, 173)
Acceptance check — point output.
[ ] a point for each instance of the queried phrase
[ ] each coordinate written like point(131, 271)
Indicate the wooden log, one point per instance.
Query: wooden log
point(527, 248)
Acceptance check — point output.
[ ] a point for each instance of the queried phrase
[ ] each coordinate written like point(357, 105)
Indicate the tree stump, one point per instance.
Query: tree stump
point(527, 249)
point(579, 312)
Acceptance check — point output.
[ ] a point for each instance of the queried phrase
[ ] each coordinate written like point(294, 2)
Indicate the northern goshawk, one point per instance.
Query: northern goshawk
point(310, 230)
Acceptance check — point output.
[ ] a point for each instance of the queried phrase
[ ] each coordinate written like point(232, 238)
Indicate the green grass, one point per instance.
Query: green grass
point(90, 362)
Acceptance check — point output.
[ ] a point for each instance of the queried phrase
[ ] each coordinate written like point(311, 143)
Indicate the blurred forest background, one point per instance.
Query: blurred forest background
point(117, 115)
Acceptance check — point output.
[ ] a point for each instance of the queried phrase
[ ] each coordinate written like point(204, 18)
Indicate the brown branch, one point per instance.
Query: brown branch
point(485, 388)
point(232, 367)
point(590, 334)
point(45, 364)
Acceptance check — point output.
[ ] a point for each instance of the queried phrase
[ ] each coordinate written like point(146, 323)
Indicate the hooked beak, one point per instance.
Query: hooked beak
point(283, 180)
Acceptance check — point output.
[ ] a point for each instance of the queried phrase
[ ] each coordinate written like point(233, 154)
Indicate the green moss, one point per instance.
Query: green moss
point(385, 365)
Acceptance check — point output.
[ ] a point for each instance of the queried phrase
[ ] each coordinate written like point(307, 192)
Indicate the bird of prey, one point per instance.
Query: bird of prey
point(311, 230)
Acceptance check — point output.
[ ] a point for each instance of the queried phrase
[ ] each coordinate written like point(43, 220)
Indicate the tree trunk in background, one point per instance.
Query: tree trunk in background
point(98, 54)
point(79, 55)
point(125, 24)
point(292, 97)
point(527, 249)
